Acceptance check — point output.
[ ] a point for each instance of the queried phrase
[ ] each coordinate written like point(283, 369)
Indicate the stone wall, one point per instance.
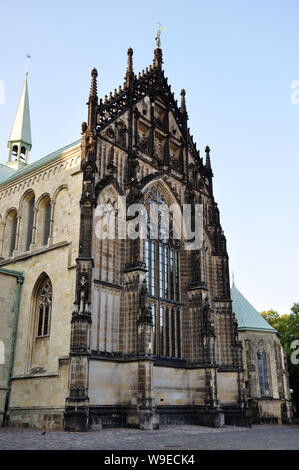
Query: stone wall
point(113, 383)
point(179, 386)
point(8, 292)
point(40, 373)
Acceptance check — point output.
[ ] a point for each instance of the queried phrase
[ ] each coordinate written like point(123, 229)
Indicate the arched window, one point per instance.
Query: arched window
point(163, 279)
point(263, 372)
point(14, 152)
point(44, 307)
point(43, 220)
point(23, 153)
point(30, 216)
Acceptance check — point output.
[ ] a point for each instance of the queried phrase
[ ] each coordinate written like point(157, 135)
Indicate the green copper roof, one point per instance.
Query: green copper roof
point(7, 174)
point(247, 317)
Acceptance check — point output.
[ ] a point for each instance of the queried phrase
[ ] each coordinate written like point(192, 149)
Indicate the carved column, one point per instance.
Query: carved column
point(152, 131)
point(76, 416)
point(50, 239)
point(146, 406)
point(18, 231)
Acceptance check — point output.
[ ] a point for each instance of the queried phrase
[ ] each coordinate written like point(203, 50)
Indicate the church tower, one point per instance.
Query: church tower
point(19, 142)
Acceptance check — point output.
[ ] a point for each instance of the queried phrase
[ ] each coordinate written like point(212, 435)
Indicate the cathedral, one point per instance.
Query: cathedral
point(121, 331)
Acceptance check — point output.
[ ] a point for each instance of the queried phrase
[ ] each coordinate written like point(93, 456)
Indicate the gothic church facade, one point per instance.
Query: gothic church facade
point(116, 332)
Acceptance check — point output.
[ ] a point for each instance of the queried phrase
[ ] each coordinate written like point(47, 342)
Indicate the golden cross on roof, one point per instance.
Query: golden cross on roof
point(157, 38)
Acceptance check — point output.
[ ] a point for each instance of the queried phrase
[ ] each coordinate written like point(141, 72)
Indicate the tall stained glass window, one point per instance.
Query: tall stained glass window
point(162, 258)
point(263, 372)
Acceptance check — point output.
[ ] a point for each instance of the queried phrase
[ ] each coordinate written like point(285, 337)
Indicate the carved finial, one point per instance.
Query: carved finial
point(158, 60)
point(130, 60)
point(110, 96)
point(183, 102)
point(208, 160)
point(129, 74)
point(106, 99)
point(93, 100)
point(93, 88)
point(84, 127)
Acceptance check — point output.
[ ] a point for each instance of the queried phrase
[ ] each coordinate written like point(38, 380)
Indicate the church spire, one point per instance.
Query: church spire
point(93, 100)
point(19, 142)
point(93, 88)
point(208, 159)
point(183, 104)
point(129, 73)
point(209, 168)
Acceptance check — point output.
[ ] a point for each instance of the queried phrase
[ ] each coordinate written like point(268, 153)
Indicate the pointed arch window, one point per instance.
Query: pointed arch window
point(163, 281)
point(263, 372)
point(44, 307)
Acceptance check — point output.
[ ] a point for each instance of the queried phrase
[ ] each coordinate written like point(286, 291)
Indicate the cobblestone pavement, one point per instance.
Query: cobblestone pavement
point(264, 437)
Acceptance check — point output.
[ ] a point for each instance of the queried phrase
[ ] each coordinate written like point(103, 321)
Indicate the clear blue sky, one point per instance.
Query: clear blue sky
point(236, 60)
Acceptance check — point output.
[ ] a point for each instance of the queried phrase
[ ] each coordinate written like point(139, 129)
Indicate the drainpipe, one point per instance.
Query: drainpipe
point(20, 280)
